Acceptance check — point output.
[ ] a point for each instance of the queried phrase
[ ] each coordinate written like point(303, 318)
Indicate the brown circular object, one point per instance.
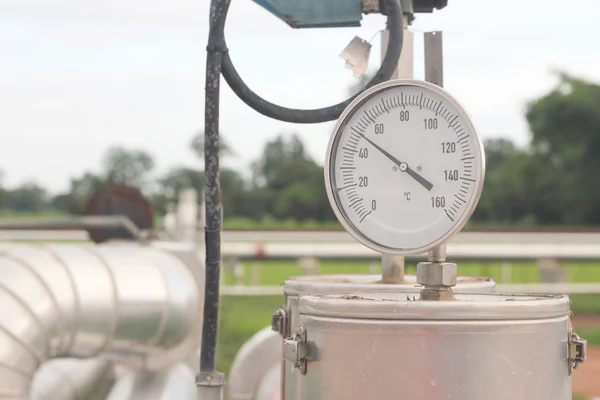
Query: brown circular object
point(122, 200)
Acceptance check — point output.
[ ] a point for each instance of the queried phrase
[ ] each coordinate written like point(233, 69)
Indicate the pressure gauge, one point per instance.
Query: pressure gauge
point(404, 168)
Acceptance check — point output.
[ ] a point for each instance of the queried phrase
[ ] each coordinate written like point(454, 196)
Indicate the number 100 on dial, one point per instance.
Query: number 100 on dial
point(404, 167)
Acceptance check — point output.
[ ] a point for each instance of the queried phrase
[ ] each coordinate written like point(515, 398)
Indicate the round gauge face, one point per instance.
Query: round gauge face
point(404, 167)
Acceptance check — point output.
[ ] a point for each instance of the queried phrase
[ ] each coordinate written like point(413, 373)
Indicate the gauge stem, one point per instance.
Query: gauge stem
point(438, 254)
point(437, 276)
point(392, 268)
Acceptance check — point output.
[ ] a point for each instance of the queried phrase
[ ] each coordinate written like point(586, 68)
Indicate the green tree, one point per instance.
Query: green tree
point(503, 198)
point(126, 166)
point(80, 189)
point(29, 197)
point(179, 178)
point(289, 182)
point(276, 154)
point(232, 183)
point(3, 192)
point(565, 126)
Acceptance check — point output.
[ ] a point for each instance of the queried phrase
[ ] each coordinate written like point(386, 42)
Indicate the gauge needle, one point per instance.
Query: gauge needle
point(403, 166)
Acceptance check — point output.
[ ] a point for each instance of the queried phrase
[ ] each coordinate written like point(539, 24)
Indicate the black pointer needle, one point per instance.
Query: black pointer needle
point(403, 166)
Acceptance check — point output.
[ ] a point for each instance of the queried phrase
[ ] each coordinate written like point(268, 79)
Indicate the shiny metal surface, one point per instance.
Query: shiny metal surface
point(73, 379)
point(321, 284)
point(174, 383)
point(210, 385)
point(338, 283)
point(138, 304)
point(481, 346)
point(251, 376)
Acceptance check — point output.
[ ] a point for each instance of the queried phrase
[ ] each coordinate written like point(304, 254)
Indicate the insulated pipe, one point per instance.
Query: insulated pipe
point(256, 369)
point(174, 383)
point(134, 303)
point(73, 379)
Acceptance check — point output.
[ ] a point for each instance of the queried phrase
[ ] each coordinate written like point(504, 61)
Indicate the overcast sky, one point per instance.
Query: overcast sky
point(79, 76)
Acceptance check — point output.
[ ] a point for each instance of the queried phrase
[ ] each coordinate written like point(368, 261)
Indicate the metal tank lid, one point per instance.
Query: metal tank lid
point(401, 306)
point(338, 283)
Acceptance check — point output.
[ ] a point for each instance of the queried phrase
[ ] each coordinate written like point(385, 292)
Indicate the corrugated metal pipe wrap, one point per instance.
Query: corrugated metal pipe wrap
point(137, 304)
point(73, 379)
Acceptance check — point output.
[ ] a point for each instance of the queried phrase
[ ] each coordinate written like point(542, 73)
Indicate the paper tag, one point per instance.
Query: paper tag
point(356, 55)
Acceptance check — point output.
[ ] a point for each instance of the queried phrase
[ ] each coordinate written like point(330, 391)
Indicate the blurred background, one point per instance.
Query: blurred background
point(101, 92)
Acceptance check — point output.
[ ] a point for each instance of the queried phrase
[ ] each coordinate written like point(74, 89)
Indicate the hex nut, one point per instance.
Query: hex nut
point(436, 274)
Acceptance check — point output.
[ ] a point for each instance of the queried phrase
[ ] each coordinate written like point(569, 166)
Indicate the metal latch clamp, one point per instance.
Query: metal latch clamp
point(279, 322)
point(295, 350)
point(577, 351)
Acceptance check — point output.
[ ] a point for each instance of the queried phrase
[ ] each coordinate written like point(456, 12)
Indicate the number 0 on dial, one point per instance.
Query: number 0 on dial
point(404, 167)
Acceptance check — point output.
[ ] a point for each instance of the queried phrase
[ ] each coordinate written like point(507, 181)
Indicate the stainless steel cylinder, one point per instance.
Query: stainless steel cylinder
point(386, 346)
point(252, 376)
point(322, 284)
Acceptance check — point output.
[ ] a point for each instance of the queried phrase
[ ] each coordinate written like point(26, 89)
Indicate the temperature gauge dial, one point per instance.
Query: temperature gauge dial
point(404, 167)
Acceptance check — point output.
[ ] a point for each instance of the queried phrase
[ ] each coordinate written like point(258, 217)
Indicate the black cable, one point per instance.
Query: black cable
point(212, 188)
point(388, 66)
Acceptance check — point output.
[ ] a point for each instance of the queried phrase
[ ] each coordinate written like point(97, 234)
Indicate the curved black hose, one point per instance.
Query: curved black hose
point(218, 62)
point(388, 66)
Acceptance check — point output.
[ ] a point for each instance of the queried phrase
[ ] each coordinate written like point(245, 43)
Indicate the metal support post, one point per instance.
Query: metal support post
point(437, 276)
point(209, 381)
point(405, 69)
point(392, 266)
point(210, 385)
point(434, 57)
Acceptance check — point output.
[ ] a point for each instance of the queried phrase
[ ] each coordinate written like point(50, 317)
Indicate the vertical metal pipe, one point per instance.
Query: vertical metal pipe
point(212, 228)
point(210, 382)
point(392, 266)
point(434, 57)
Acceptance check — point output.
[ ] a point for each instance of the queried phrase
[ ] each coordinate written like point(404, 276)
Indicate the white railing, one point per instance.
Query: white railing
point(334, 236)
point(498, 246)
point(548, 288)
point(455, 251)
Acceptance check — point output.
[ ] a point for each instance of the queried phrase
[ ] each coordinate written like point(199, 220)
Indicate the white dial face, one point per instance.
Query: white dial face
point(404, 167)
